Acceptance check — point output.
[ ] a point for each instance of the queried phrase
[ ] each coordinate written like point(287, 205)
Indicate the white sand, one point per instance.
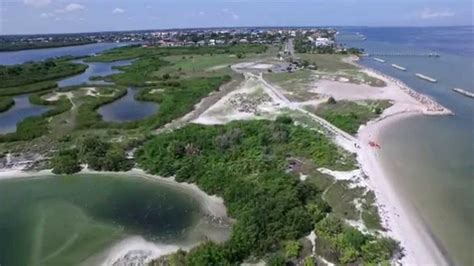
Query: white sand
point(135, 250)
point(91, 91)
point(222, 112)
point(58, 95)
point(353, 175)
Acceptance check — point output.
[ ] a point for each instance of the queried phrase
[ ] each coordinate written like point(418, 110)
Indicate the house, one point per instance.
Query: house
point(320, 41)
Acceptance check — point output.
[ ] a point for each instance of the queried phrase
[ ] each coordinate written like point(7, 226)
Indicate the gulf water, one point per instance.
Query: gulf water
point(431, 158)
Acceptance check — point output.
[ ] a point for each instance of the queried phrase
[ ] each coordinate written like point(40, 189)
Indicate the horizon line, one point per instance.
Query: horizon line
point(235, 27)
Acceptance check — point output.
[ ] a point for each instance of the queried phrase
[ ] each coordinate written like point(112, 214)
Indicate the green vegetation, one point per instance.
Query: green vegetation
point(328, 62)
point(103, 156)
point(344, 244)
point(349, 116)
point(96, 153)
point(292, 249)
point(246, 163)
point(27, 46)
point(31, 88)
point(176, 98)
point(29, 73)
point(66, 162)
point(33, 127)
point(341, 196)
point(370, 213)
point(130, 52)
point(6, 103)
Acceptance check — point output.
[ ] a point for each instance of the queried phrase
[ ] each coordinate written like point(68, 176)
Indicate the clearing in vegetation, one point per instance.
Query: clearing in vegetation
point(349, 116)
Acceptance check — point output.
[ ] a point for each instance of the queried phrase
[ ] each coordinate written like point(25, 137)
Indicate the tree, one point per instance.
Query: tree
point(66, 162)
point(276, 260)
point(284, 119)
point(116, 159)
point(207, 254)
point(331, 100)
point(378, 110)
point(292, 249)
point(309, 261)
point(178, 258)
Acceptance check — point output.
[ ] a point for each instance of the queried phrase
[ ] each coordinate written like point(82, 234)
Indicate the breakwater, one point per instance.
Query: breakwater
point(405, 54)
point(430, 79)
point(399, 67)
point(464, 92)
point(432, 107)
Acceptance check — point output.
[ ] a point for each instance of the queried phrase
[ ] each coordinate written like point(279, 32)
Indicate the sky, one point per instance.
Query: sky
point(64, 16)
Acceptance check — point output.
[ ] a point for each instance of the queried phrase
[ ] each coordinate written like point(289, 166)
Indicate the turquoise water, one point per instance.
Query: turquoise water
point(431, 159)
point(67, 220)
point(127, 109)
point(19, 112)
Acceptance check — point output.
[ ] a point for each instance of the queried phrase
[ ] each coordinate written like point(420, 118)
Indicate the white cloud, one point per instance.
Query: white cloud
point(71, 8)
point(37, 2)
point(427, 13)
point(118, 11)
point(46, 15)
point(230, 13)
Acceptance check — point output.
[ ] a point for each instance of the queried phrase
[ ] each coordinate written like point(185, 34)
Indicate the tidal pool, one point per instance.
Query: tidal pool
point(19, 112)
point(95, 69)
point(127, 109)
point(67, 220)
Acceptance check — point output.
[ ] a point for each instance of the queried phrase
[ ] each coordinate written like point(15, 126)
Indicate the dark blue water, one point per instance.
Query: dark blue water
point(127, 109)
point(94, 69)
point(19, 57)
point(21, 110)
point(431, 159)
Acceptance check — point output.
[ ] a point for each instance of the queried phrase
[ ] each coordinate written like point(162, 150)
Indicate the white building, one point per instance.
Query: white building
point(323, 42)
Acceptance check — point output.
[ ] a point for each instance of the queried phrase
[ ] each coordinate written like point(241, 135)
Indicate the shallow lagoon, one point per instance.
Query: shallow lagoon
point(67, 220)
point(127, 109)
point(19, 112)
point(95, 69)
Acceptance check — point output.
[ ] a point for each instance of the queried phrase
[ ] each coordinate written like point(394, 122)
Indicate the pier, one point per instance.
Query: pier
point(464, 92)
point(405, 54)
point(399, 67)
point(421, 76)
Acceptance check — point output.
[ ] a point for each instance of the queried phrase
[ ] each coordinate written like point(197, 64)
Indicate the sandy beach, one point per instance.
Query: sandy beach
point(397, 214)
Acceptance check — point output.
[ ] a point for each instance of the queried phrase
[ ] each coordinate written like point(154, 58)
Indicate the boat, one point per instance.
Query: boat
point(430, 79)
point(379, 60)
point(399, 67)
point(464, 92)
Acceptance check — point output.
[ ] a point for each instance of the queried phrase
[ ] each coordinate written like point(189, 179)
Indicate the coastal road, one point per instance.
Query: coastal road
point(345, 139)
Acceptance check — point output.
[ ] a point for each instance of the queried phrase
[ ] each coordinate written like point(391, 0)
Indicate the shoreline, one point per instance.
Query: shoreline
point(214, 225)
point(210, 204)
point(418, 244)
point(397, 215)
